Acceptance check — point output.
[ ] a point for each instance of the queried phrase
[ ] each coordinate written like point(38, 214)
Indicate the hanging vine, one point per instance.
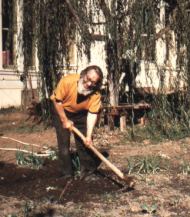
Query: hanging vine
point(130, 37)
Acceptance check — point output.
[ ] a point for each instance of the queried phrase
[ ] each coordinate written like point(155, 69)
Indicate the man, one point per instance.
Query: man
point(77, 101)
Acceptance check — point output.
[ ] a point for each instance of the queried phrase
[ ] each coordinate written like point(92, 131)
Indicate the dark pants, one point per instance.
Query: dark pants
point(87, 158)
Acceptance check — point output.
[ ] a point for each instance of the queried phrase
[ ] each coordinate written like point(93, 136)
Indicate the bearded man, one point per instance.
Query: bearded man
point(77, 102)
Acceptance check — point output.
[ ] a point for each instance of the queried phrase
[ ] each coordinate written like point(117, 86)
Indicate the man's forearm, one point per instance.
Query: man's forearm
point(66, 123)
point(60, 111)
point(91, 121)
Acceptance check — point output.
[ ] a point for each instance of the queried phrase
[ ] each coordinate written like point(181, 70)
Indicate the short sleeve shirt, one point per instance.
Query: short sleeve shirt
point(67, 93)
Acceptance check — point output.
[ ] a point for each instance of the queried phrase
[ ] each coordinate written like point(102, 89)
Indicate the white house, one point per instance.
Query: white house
point(12, 57)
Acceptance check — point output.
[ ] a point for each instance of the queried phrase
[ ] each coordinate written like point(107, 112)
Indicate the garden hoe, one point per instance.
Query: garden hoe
point(128, 180)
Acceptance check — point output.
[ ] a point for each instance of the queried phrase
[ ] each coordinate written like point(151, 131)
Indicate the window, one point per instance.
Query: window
point(147, 38)
point(169, 8)
point(7, 33)
point(28, 33)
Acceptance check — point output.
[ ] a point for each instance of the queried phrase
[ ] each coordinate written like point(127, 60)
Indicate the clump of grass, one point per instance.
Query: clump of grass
point(28, 206)
point(138, 134)
point(145, 165)
point(185, 168)
point(149, 208)
point(29, 160)
point(53, 155)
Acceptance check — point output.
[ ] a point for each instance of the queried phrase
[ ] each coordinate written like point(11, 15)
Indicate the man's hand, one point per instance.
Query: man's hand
point(88, 142)
point(67, 124)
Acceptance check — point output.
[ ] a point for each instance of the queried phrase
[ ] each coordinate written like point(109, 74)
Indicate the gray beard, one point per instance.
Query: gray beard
point(81, 89)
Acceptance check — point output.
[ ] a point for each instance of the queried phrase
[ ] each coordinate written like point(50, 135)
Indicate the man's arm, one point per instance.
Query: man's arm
point(91, 121)
point(60, 111)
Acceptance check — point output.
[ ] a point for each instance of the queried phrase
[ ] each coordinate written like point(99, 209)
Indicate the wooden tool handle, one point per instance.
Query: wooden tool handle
point(106, 161)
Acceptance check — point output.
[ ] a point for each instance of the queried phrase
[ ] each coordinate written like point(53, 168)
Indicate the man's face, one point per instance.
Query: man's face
point(88, 82)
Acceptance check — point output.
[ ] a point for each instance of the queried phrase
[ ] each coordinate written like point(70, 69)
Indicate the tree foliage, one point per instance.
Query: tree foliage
point(130, 35)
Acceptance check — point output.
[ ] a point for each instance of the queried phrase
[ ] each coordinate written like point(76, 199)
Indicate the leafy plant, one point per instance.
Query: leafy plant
point(185, 168)
point(52, 155)
point(27, 208)
point(174, 201)
point(149, 208)
point(29, 160)
point(145, 165)
point(76, 163)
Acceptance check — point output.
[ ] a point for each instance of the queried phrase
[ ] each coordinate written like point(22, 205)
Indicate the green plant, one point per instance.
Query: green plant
point(149, 208)
point(76, 163)
point(52, 155)
point(149, 165)
point(131, 165)
point(145, 165)
point(174, 201)
point(29, 160)
point(185, 168)
point(27, 208)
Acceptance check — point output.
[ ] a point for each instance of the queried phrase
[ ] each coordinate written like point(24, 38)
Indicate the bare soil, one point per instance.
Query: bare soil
point(25, 191)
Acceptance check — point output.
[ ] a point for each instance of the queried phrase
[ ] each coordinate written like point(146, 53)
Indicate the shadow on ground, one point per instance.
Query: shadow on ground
point(47, 184)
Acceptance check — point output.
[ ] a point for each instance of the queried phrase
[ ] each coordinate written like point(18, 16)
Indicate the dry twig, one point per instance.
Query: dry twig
point(65, 188)
point(24, 143)
point(25, 151)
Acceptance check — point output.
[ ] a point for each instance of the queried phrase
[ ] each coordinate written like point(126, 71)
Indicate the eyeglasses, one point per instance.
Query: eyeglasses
point(88, 80)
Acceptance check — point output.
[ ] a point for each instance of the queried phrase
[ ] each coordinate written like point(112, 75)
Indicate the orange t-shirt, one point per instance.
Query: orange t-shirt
point(66, 92)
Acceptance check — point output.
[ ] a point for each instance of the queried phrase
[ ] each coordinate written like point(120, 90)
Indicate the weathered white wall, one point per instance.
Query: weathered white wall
point(10, 89)
point(97, 57)
point(150, 73)
point(19, 41)
point(10, 85)
point(148, 76)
